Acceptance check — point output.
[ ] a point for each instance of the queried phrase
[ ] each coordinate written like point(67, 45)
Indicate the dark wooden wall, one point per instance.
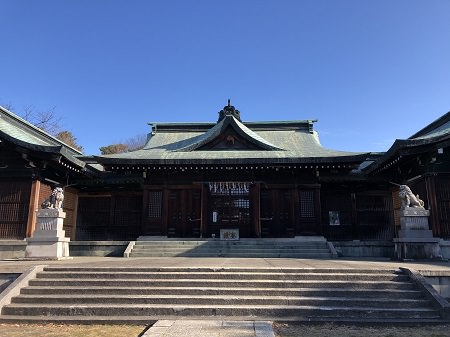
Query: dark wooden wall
point(14, 207)
point(109, 216)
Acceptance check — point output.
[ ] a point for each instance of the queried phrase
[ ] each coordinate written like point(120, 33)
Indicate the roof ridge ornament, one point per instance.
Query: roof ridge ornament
point(229, 110)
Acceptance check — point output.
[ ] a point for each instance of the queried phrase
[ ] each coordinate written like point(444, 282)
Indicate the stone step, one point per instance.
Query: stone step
point(225, 244)
point(141, 269)
point(222, 283)
point(200, 291)
point(222, 276)
point(233, 249)
point(275, 311)
point(214, 300)
point(232, 255)
point(269, 248)
point(149, 320)
point(113, 294)
point(265, 241)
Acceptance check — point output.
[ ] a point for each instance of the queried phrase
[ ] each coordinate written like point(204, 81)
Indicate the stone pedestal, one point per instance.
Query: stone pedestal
point(415, 239)
point(48, 241)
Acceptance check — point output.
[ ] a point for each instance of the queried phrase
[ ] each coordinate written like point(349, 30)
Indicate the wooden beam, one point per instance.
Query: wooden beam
point(33, 207)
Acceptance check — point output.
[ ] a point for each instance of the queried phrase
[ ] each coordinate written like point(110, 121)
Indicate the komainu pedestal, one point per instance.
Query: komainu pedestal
point(48, 240)
point(415, 239)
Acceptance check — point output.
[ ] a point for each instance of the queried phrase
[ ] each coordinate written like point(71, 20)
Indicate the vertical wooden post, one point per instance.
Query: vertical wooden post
point(165, 211)
point(318, 211)
point(256, 201)
point(33, 207)
point(144, 214)
point(355, 225)
point(430, 183)
point(75, 214)
point(203, 212)
point(295, 218)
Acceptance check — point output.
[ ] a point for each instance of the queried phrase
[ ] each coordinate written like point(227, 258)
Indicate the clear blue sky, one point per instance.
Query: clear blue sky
point(369, 71)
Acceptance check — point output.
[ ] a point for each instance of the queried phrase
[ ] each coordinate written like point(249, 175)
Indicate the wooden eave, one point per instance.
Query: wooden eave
point(432, 126)
point(111, 161)
point(28, 138)
point(401, 150)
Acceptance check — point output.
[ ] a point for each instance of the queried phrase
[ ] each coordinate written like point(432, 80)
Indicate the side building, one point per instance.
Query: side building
point(31, 163)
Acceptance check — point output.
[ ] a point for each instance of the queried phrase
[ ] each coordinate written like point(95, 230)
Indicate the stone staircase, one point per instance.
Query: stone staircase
point(263, 248)
point(140, 295)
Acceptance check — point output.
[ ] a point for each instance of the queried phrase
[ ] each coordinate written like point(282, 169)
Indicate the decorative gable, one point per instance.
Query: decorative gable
point(230, 134)
point(229, 139)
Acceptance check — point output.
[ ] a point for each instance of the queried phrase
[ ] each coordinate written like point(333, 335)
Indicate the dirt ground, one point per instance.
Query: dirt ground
point(329, 330)
point(280, 329)
point(57, 330)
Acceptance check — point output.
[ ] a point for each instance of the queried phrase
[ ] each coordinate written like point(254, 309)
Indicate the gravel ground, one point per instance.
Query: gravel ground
point(329, 330)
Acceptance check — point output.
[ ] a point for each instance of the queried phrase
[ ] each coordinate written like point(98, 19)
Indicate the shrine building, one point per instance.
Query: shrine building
point(261, 179)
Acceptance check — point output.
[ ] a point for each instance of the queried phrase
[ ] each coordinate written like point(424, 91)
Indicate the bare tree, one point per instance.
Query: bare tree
point(7, 106)
point(131, 144)
point(137, 142)
point(46, 120)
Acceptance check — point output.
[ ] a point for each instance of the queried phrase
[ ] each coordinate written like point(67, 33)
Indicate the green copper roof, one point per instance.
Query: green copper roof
point(430, 138)
point(22, 133)
point(277, 142)
point(216, 130)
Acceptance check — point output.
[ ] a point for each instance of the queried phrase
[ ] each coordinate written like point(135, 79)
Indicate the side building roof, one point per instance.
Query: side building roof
point(432, 137)
point(26, 136)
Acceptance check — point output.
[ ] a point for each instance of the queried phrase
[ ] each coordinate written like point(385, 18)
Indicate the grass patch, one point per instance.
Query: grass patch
point(70, 330)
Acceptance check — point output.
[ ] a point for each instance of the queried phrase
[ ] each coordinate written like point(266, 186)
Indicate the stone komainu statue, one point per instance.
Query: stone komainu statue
point(409, 199)
point(55, 200)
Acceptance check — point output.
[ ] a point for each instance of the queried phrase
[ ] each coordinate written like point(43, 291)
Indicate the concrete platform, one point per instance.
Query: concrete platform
point(21, 265)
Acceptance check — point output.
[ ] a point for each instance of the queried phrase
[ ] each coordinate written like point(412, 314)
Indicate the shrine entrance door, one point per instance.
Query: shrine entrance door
point(184, 213)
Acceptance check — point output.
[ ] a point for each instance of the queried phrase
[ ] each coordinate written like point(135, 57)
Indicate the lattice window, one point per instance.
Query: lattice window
point(14, 203)
point(307, 204)
point(373, 209)
point(154, 204)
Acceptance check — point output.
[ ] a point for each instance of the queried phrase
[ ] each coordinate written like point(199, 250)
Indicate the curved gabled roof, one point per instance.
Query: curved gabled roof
point(268, 142)
point(220, 127)
point(22, 133)
point(431, 137)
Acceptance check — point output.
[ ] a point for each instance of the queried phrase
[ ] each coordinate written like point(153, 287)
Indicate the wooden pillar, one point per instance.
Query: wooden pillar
point(165, 211)
point(318, 211)
point(256, 202)
point(33, 207)
point(355, 226)
point(296, 219)
point(144, 214)
point(75, 215)
point(430, 183)
point(204, 212)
